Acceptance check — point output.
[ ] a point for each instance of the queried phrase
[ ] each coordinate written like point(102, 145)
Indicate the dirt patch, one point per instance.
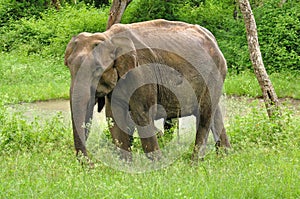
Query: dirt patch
point(52, 105)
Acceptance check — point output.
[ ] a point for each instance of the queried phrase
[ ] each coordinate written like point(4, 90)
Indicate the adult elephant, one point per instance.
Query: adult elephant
point(148, 70)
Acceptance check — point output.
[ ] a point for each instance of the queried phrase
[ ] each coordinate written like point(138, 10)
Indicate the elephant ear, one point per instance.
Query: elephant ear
point(125, 55)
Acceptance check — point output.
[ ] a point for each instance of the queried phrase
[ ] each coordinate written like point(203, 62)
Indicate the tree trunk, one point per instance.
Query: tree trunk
point(116, 12)
point(269, 95)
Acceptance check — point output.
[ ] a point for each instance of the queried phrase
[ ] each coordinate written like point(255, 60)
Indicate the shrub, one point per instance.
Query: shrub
point(11, 10)
point(256, 129)
point(144, 10)
point(279, 31)
point(49, 34)
point(18, 133)
point(17, 9)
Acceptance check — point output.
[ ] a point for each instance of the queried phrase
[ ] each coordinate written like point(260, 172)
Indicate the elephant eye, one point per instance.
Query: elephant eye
point(95, 44)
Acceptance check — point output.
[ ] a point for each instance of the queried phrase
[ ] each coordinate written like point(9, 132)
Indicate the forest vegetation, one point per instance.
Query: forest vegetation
point(37, 155)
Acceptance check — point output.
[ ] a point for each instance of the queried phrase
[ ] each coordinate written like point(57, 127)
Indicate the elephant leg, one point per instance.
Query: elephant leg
point(224, 139)
point(147, 132)
point(203, 122)
point(200, 142)
point(219, 131)
point(120, 138)
point(149, 141)
point(151, 148)
point(130, 128)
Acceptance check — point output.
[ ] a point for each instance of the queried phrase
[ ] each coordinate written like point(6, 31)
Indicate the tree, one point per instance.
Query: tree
point(269, 94)
point(116, 12)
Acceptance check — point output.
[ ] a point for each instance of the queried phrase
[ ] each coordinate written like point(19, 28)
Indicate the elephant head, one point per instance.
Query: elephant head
point(96, 62)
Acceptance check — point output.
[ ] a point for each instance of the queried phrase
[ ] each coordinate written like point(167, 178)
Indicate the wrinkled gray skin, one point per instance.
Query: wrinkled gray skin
point(109, 65)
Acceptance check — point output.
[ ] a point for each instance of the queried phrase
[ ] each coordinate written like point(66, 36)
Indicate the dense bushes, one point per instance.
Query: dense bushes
point(49, 33)
point(11, 10)
point(255, 129)
point(16, 9)
point(279, 32)
point(32, 27)
point(19, 133)
point(143, 10)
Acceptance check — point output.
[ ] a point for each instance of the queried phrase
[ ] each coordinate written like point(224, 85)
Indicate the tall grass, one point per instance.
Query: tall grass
point(37, 161)
point(286, 84)
point(31, 78)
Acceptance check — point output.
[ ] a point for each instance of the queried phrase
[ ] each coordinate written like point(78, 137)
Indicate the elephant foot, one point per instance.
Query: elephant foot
point(198, 153)
point(195, 160)
point(125, 156)
point(218, 145)
point(154, 155)
point(221, 149)
point(84, 160)
point(225, 144)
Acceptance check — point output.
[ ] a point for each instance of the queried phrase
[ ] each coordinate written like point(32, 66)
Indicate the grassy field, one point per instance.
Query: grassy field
point(256, 173)
point(37, 157)
point(32, 78)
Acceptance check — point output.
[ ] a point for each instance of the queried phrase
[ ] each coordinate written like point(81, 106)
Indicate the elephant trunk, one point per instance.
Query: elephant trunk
point(82, 102)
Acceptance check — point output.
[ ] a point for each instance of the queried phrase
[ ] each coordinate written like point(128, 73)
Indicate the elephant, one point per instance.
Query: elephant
point(142, 72)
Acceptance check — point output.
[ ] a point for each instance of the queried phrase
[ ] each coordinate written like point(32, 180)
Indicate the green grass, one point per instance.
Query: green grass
point(247, 174)
point(286, 84)
point(37, 160)
point(31, 78)
point(37, 157)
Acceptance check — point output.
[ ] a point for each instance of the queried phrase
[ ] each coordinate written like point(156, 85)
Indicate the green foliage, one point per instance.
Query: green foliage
point(38, 27)
point(18, 133)
point(49, 34)
point(97, 3)
point(144, 10)
point(255, 129)
point(11, 10)
point(279, 31)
